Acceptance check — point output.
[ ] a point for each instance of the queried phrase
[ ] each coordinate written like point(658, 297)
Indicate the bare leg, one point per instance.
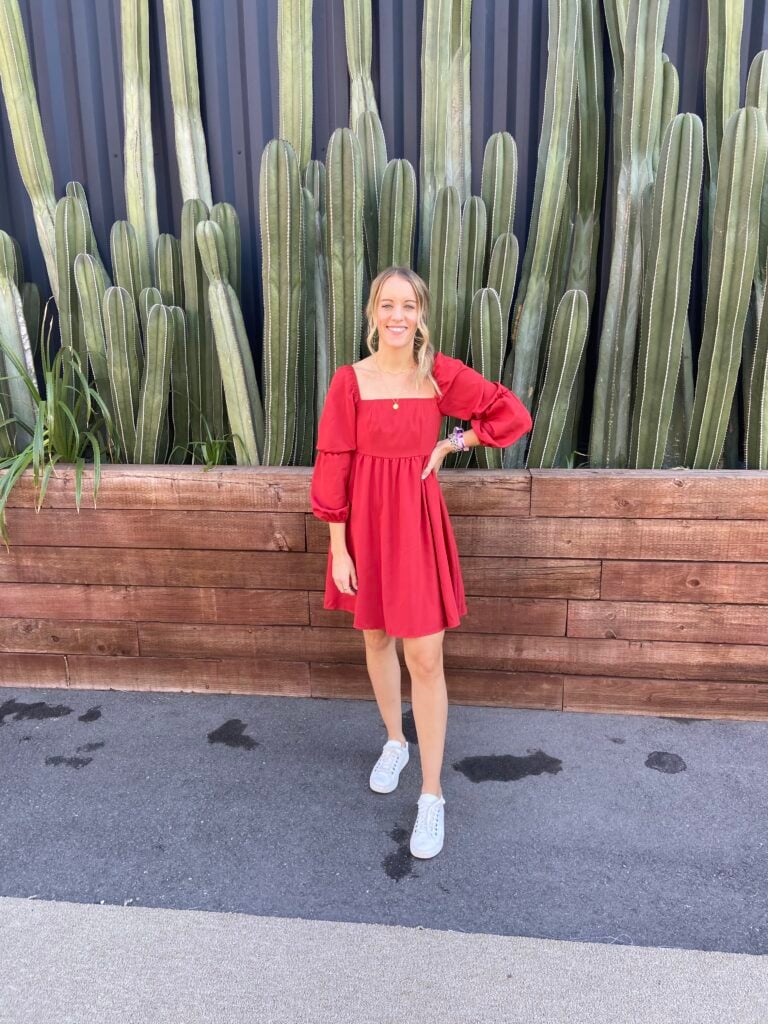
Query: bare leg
point(429, 696)
point(384, 670)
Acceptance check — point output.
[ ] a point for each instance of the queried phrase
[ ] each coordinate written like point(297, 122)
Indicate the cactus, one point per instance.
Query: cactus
point(397, 215)
point(27, 132)
point(126, 266)
point(566, 347)
point(165, 325)
point(665, 292)
point(502, 273)
point(14, 392)
point(549, 198)
point(344, 246)
point(71, 239)
point(195, 294)
point(316, 186)
point(280, 201)
point(306, 388)
point(31, 304)
point(149, 297)
point(238, 374)
point(168, 270)
point(9, 260)
point(670, 103)
point(443, 270)
point(373, 150)
point(609, 439)
point(225, 215)
point(294, 62)
point(357, 28)
point(140, 191)
point(191, 152)
point(474, 228)
point(756, 446)
point(124, 365)
point(498, 187)
point(735, 228)
point(76, 191)
point(90, 292)
point(487, 340)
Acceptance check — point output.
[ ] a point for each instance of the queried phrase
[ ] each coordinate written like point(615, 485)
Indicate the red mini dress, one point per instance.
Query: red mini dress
point(367, 474)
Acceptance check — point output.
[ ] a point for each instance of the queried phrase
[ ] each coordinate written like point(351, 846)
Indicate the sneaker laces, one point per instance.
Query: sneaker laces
point(388, 760)
point(426, 820)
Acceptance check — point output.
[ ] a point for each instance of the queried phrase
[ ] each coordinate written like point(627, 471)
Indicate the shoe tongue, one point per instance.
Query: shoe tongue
point(394, 743)
point(428, 798)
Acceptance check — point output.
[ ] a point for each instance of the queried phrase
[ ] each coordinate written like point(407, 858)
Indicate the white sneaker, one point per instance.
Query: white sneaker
point(386, 771)
point(429, 830)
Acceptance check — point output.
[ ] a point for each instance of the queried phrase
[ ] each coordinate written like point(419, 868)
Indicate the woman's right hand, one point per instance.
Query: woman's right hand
point(344, 573)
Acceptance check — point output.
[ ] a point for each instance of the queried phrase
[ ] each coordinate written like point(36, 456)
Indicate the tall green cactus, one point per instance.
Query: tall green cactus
point(756, 429)
point(549, 198)
point(735, 229)
point(165, 324)
point(90, 292)
point(569, 338)
point(280, 201)
point(140, 191)
point(294, 61)
point(15, 393)
point(125, 365)
point(306, 382)
point(27, 132)
point(239, 376)
point(609, 439)
point(315, 184)
point(191, 152)
point(357, 26)
point(487, 340)
point(498, 187)
point(474, 229)
point(225, 215)
point(127, 267)
point(397, 215)
point(443, 270)
point(373, 151)
point(663, 319)
point(344, 246)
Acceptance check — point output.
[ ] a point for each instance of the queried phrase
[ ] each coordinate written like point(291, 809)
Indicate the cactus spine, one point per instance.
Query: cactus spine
point(665, 293)
point(735, 228)
point(140, 192)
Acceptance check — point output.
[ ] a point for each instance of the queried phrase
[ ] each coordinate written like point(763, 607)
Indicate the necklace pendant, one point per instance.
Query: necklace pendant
point(395, 405)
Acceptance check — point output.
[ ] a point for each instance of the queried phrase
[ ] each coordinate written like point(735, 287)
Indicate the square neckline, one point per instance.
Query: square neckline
point(407, 398)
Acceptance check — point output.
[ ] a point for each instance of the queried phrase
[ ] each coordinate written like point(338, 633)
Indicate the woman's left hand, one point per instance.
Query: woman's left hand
point(439, 452)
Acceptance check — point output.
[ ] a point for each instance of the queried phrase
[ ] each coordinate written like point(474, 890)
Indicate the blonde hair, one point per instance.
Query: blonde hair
point(422, 347)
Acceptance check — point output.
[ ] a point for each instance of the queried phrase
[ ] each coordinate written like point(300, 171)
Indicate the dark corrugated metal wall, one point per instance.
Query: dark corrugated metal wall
point(75, 48)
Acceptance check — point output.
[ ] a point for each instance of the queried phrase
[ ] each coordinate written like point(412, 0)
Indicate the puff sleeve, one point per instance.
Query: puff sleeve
point(498, 416)
point(336, 444)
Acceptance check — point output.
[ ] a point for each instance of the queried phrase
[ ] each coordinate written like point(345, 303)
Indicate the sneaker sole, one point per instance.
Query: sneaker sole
point(397, 781)
point(427, 856)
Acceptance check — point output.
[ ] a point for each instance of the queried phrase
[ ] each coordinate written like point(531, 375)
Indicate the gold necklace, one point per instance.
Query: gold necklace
point(392, 373)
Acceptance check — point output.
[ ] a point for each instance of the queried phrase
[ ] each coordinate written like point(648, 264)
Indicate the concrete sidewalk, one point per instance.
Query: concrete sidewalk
point(595, 834)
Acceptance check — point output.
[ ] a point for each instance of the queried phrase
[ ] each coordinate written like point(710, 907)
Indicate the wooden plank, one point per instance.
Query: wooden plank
point(531, 577)
point(485, 615)
point(37, 670)
point(239, 531)
point(649, 620)
point(254, 489)
point(174, 640)
point(490, 689)
point(689, 698)
point(649, 493)
point(706, 582)
point(159, 604)
point(189, 675)
point(46, 635)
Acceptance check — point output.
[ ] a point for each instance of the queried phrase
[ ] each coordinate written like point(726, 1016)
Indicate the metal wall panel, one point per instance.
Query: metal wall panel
point(75, 48)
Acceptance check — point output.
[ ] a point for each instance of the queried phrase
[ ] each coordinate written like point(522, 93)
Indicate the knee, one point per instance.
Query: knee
point(425, 665)
point(377, 640)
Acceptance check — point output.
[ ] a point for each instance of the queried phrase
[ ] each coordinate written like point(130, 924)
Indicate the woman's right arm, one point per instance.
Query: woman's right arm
point(336, 444)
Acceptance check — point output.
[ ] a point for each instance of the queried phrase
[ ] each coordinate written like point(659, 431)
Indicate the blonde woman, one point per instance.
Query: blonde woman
point(392, 560)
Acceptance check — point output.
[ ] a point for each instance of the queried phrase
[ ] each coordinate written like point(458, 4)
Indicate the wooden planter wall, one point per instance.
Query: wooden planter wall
point(588, 590)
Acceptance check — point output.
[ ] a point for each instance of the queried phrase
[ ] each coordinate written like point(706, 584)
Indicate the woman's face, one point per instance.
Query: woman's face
point(397, 313)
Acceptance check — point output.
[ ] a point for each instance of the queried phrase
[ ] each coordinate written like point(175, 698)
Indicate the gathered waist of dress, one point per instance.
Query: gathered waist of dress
point(397, 455)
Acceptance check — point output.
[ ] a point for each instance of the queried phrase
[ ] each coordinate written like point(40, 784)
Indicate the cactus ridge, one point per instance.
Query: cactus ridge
point(397, 215)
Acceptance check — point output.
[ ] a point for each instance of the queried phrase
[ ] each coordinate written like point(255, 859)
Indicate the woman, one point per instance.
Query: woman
point(392, 559)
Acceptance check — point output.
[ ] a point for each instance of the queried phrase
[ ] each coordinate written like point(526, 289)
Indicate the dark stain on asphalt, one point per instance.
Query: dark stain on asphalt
point(507, 767)
point(89, 747)
point(681, 721)
point(91, 715)
point(409, 727)
point(38, 711)
point(232, 734)
point(663, 761)
point(399, 864)
point(617, 739)
point(70, 762)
